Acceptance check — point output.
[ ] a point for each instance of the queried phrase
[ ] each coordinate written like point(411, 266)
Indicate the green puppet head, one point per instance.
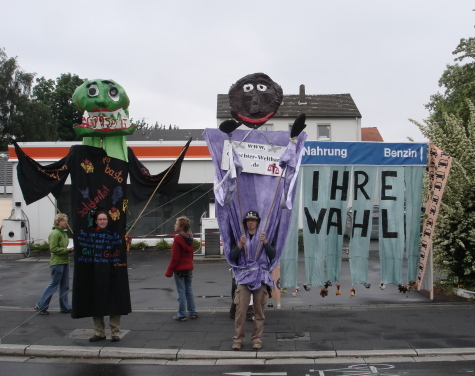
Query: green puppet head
point(105, 104)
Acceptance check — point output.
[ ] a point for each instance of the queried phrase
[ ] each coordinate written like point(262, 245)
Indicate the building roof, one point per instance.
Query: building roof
point(314, 106)
point(166, 135)
point(371, 134)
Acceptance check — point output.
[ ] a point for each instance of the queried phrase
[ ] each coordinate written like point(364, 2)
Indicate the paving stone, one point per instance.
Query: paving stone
point(361, 336)
point(460, 342)
point(314, 346)
point(387, 344)
point(299, 336)
point(88, 333)
point(352, 345)
point(328, 336)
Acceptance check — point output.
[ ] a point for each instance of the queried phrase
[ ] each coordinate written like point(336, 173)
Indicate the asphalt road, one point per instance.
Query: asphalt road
point(388, 367)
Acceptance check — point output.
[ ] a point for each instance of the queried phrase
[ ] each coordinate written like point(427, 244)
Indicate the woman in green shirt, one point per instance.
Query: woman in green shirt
point(59, 265)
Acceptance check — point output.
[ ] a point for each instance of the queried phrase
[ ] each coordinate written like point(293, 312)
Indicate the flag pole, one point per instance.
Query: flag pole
point(269, 213)
point(156, 188)
point(59, 212)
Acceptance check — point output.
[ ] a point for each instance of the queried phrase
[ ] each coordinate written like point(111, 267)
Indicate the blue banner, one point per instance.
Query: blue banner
point(364, 153)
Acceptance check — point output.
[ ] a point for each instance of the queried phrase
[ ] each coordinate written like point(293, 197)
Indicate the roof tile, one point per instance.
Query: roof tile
point(316, 106)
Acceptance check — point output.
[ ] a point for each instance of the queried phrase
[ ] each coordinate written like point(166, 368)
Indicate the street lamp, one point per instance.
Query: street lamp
point(4, 158)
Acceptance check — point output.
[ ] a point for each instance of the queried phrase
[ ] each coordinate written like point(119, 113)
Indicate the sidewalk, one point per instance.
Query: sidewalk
point(373, 324)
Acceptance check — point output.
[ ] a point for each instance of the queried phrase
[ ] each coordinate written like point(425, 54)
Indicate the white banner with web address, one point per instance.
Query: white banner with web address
point(255, 158)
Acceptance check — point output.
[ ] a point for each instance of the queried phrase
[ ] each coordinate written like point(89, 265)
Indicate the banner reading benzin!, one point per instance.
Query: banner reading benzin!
point(364, 153)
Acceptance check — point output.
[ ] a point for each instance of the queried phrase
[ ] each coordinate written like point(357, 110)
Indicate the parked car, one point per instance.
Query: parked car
point(374, 224)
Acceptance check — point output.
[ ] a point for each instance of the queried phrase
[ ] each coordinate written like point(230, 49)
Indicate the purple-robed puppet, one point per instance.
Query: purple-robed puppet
point(254, 99)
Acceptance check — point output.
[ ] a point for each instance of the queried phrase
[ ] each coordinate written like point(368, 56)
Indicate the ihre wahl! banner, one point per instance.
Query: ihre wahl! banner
point(356, 180)
point(439, 169)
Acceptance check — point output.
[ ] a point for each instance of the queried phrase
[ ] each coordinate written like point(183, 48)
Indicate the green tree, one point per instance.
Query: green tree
point(451, 126)
point(142, 124)
point(459, 83)
point(454, 237)
point(57, 95)
point(32, 121)
point(15, 88)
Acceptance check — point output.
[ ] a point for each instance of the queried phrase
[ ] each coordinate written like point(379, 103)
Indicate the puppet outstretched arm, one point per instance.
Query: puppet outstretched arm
point(37, 181)
point(298, 126)
point(228, 126)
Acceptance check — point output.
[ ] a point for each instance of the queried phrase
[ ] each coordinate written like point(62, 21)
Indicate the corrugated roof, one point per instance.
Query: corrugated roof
point(316, 106)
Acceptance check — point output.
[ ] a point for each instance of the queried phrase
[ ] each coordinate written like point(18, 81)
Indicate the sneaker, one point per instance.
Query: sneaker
point(66, 310)
point(176, 318)
point(41, 311)
point(193, 316)
point(96, 338)
point(257, 345)
point(236, 345)
point(115, 338)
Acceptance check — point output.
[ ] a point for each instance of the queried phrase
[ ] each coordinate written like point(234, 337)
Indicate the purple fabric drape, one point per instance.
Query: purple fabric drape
point(261, 193)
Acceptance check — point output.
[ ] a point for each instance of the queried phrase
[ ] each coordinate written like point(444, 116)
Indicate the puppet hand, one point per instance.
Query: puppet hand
point(298, 126)
point(228, 126)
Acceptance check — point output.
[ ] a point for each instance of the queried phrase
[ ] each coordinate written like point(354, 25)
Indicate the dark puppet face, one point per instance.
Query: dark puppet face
point(254, 99)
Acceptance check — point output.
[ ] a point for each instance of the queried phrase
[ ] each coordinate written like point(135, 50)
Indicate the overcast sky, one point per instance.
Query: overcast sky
point(173, 57)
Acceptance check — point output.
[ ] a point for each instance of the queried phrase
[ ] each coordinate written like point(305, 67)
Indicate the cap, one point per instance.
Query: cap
point(252, 215)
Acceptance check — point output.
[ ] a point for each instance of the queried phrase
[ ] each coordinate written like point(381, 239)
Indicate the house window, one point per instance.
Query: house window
point(267, 127)
point(323, 131)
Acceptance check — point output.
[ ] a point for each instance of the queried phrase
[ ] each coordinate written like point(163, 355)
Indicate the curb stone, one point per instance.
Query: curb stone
point(168, 354)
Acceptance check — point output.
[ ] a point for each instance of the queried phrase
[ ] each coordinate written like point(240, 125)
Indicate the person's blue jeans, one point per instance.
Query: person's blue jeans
point(186, 301)
point(59, 277)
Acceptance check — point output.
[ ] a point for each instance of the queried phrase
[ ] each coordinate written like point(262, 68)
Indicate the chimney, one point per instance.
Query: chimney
point(302, 95)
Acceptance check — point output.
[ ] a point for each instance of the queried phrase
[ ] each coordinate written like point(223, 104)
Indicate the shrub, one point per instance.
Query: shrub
point(163, 244)
point(138, 246)
point(196, 244)
point(36, 247)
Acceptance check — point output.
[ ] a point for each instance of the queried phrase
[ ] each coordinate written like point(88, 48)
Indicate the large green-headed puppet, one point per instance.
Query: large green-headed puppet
point(99, 172)
point(105, 122)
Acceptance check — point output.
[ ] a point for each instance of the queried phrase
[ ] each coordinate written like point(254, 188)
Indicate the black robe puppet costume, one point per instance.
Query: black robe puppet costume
point(98, 181)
